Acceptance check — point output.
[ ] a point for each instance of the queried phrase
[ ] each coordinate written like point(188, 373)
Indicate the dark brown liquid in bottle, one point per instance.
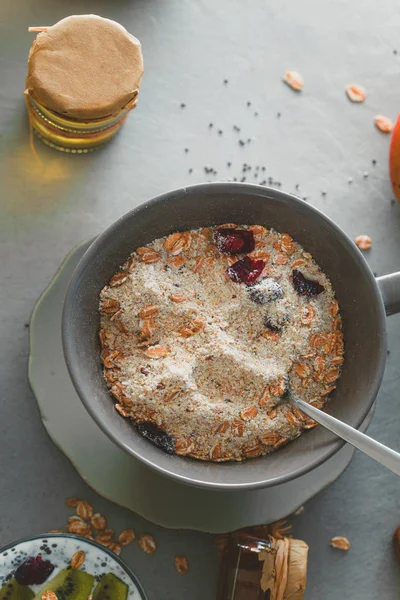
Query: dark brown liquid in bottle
point(241, 569)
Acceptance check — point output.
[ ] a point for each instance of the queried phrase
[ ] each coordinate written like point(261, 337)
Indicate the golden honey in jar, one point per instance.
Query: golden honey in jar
point(84, 75)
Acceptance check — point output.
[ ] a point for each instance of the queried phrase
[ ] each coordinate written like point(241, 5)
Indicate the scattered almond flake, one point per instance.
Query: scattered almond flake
point(294, 80)
point(364, 242)
point(356, 93)
point(181, 564)
point(147, 543)
point(341, 543)
point(49, 595)
point(383, 124)
point(98, 522)
point(126, 537)
point(78, 559)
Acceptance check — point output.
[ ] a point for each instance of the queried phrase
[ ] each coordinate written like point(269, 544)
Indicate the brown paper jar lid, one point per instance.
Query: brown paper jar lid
point(85, 67)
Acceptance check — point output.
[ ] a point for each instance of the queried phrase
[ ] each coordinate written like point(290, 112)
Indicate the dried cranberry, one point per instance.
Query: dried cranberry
point(34, 571)
point(234, 241)
point(304, 286)
point(246, 271)
point(158, 436)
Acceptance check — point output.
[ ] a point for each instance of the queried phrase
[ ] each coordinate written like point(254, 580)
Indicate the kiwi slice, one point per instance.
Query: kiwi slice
point(12, 590)
point(69, 584)
point(110, 587)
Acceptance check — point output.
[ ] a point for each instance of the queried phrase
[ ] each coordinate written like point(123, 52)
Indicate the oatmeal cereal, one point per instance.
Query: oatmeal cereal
point(204, 332)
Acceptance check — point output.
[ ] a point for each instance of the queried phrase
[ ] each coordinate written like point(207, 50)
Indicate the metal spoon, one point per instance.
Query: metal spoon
point(382, 454)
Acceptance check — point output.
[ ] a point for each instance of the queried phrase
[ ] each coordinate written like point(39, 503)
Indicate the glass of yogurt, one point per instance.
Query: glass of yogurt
point(64, 567)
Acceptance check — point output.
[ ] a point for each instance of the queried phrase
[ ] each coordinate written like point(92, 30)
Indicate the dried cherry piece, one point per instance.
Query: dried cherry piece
point(247, 270)
point(304, 286)
point(33, 571)
point(158, 436)
point(234, 241)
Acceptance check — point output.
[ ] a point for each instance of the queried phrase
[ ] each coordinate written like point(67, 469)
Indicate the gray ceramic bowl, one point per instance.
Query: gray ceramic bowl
point(196, 206)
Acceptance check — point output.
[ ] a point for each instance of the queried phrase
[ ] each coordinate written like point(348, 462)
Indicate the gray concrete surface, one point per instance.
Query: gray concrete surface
point(319, 142)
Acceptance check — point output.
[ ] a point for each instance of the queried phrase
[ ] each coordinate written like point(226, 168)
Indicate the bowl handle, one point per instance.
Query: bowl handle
point(389, 286)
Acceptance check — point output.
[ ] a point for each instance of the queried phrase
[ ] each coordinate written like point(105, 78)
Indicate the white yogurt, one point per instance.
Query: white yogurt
point(59, 549)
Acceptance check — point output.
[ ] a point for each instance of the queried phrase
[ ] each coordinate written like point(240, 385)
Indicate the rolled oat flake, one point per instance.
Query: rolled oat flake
point(83, 79)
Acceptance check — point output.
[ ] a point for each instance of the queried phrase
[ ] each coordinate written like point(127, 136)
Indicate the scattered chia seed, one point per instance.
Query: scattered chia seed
point(228, 164)
point(186, 150)
point(388, 352)
point(297, 186)
point(236, 128)
point(394, 51)
point(255, 174)
point(248, 140)
point(248, 103)
point(323, 193)
point(241, 143)
point(262, 168)
point(211, 125)
point(365, 175)
point(234, 179)
point(278, 115)
point(220, 132)
point(243, 179)
point(225, 81)
point(263, 182)
point(305, 198)
point(350, 180)
point(393, 201)
point(183, 105)
point(190, 170)
point(270, 180)
point(256, 114)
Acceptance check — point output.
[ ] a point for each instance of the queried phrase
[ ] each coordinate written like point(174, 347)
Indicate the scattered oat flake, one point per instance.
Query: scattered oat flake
point(181, 564)
point(98, 521)
point(72, 502)
point(49, 595)
point(147, 543)
point(364, 242)
point(356, 93)
point(294, 80)
point(383, 124)
point(84, 510)
point(341, 543)
point(78, 559)
point(126, 537)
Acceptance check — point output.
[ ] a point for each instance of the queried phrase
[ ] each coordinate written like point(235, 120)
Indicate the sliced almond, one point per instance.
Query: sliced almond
point(383, 124)
point(364, 242)
point(294, 80)
point(356, 93)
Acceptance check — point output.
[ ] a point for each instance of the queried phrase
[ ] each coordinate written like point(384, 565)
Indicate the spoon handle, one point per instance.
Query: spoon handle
point(382, 454)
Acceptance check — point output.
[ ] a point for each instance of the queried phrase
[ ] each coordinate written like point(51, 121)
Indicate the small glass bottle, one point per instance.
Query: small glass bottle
point(262, 569)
